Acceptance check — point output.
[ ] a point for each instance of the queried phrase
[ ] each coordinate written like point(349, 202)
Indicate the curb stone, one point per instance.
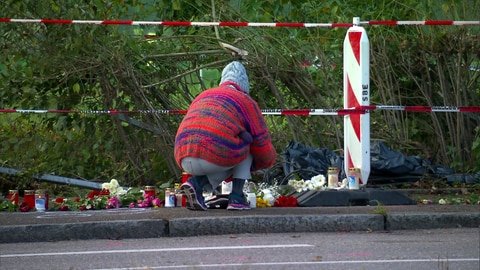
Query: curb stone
point(274, 224)
point(84, 231)
point(415, 221)
point(137, 227)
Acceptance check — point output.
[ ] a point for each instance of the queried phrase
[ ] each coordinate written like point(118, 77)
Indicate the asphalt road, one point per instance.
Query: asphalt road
point(405, 249)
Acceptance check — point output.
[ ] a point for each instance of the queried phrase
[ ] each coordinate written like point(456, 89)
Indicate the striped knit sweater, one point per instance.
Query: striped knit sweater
point(210, 130)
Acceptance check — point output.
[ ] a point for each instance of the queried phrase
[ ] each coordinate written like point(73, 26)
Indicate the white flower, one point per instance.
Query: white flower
point(442, 201)
point(106, 186)
point(267, 196)
point(114, 183)
point(309, 185)
point(316, 183)
point(298, 185)
point(114, 188)
point(319, 180)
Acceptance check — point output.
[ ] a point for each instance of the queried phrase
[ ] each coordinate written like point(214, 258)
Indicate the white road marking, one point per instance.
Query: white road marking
point(149, 250)
point(436, 260)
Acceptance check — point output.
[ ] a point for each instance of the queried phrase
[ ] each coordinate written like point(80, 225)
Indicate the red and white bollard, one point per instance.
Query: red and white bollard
point(356, 93)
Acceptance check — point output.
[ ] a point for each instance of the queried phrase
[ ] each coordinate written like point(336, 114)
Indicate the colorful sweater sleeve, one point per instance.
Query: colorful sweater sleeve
point(261, 148)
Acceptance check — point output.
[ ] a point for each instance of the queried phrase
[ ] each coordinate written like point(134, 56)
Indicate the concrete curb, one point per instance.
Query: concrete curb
point(414, 221)
point(274, 224)
point(84, 231)
point(218, 225)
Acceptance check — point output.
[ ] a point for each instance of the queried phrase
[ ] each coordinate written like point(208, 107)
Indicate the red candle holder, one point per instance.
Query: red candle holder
point(29, 198)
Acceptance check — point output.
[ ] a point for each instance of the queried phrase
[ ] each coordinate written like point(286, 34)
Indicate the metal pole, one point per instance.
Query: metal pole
point(56, 179)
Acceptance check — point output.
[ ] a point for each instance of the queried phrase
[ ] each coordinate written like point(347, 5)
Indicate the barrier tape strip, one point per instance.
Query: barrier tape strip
point(283, 112)
point(239, 24)
point(427, 22)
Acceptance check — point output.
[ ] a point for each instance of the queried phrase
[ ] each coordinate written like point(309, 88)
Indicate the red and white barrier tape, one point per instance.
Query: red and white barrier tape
point(238, 24)
point(112, 112)
point(461, 109)
point(284, 112)
point(427, 22)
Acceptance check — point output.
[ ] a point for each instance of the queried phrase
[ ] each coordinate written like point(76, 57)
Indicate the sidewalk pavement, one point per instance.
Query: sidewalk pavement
point(125, 223)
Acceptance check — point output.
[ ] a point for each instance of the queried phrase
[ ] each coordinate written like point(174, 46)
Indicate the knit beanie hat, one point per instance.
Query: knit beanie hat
point(235, 72)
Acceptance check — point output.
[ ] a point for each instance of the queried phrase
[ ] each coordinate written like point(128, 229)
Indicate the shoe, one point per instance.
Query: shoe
point(237, 202)
point(194, 194)
point(217, 201)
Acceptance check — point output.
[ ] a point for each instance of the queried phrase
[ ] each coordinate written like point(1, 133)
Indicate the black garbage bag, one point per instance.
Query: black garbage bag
point(308, 161)
point(463, 178)
point(383, 160)
point(440, 171)
point(386, 165)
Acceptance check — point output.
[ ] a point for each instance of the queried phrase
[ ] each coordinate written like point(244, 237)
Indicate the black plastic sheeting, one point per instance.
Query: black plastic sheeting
point(386, 165)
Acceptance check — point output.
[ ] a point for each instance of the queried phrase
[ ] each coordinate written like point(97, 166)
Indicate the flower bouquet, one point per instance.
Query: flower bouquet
point(274, 196)
point(111, 196)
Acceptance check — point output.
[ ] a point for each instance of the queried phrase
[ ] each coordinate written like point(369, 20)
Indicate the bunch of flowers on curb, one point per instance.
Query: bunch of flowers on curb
point(286, 201)
point(277, 196)
point(111, 196)
point(147, 201)
point(317, 182)
point(265, 194)
point(274, 196)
